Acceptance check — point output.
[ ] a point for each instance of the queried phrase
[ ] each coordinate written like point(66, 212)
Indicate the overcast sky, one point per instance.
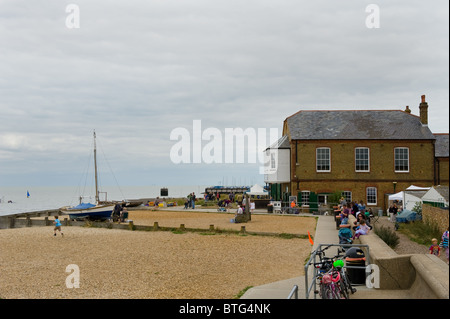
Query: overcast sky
point(136, 70)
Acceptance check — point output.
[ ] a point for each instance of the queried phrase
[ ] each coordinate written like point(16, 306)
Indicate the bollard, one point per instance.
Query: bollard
point(47, 223)
point(131, 225)
point(211, 227)
point(155, 226)
point(242, 229)
point(182, 227)
point(28, 221)
point(66, 222)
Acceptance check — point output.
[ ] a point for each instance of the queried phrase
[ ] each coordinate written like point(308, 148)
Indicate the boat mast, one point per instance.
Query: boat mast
point(95, 165)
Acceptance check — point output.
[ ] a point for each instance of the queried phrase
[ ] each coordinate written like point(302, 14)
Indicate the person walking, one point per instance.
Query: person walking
point(57, 224)
point(193, 200)
point(393, 213)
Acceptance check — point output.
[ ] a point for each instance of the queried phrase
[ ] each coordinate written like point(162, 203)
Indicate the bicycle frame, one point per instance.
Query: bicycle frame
point(319, 252)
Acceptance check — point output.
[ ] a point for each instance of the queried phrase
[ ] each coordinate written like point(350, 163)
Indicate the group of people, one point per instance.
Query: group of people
point(119, 213)
point(190, 201)
point(362, 224)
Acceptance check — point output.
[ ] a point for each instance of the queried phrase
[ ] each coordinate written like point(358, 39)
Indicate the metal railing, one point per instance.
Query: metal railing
point(293, 293)
point(312, 260)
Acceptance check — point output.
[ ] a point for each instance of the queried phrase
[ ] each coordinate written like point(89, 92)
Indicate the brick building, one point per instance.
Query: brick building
point(363, 154)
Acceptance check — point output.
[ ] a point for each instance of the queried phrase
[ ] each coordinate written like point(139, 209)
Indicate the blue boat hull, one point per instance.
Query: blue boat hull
point(94, 213)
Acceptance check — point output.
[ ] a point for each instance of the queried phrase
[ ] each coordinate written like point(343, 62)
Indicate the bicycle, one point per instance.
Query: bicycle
point(345, 282)
point(326, 279)
point(332, 278)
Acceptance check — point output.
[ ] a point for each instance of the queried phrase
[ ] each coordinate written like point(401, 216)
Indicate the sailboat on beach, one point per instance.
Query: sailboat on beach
point(97, 211)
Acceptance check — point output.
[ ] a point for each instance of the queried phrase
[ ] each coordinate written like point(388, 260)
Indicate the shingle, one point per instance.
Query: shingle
point(357, 125)
point(283, 142)
point(442, 146)
point(443, 191)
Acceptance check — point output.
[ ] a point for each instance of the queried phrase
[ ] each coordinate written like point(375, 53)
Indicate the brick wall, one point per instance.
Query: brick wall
point(435, 215)
point(443, 171)
point(343, 177)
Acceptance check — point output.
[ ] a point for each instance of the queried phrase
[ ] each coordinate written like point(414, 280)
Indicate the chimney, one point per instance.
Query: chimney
point(407, 110)
point(423, 107)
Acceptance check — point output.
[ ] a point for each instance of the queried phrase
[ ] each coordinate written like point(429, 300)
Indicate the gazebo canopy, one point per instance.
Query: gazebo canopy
point(257, 190)
point(397, 196)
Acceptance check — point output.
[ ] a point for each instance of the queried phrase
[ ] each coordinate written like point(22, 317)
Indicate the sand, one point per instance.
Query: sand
point(158, 264)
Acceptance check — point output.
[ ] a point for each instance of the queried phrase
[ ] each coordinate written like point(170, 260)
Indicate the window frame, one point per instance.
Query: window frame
point(359, 159)
point(347, 195)
point(305, 203)
point(272, 161)
point(371, 195)
point(317, 160)
point(401, 159)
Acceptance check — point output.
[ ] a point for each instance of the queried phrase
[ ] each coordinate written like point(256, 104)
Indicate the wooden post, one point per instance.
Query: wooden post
point(131, 225)
point(211, 227)
point(182, 227)
point(242, 229)
point(28, 221)
point(12, 222)
point(155, 226)
point(247, 208)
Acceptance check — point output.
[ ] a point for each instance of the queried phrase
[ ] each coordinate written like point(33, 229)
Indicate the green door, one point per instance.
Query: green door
point(313, 205)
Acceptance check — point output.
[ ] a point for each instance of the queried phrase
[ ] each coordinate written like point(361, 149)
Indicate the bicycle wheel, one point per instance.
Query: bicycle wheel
point(347, 282)
point(326, 292)
point(342, 288)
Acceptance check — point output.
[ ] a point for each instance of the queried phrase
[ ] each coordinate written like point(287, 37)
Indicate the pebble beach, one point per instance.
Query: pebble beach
point(128, 264)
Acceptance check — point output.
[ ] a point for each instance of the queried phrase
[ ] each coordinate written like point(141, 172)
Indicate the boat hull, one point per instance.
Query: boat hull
point(95, 213)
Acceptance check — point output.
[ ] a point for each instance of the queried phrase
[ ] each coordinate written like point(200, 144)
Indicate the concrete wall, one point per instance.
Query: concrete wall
point(425, 276)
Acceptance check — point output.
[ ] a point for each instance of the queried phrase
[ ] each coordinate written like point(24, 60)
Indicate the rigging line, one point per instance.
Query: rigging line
point(84, 176)
point(112, 173)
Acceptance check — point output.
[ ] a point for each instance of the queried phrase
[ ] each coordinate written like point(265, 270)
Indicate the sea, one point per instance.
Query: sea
point(28, 199)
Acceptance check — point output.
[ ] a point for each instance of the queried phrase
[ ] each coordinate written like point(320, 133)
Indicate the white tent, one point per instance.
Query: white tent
point(257, 190)
point(398, 196)
point(417, 188)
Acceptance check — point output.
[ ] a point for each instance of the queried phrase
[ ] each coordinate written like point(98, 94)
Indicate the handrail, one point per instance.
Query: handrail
point(294, 292)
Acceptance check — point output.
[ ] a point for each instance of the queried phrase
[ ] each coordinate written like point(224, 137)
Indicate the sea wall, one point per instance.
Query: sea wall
point(424, 276)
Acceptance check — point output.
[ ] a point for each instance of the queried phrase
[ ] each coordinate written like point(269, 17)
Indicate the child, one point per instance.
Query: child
point(57, 226)
point(363, 229)
point(434, 248)
point(444, 242)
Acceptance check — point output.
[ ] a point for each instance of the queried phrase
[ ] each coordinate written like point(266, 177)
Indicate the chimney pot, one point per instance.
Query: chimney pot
point(423, 98)
point(407, 110)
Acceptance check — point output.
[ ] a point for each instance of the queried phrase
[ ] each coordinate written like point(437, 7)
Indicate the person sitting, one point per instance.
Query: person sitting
point(355, 208)
point(362, 230)
point(357, 223)
point(345, 212)
point(239, 214)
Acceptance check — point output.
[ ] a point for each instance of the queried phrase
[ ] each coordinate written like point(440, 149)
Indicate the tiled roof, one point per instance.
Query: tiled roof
point(283, 142)
point(357, 125)
point(442, 146)
point(443, 191)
